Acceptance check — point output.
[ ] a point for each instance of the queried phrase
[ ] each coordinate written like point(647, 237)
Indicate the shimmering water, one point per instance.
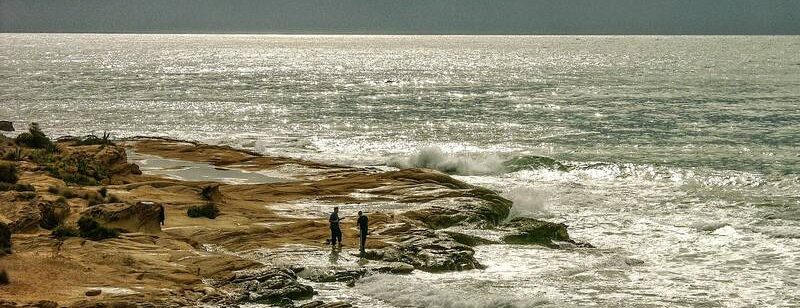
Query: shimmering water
point(677, 156)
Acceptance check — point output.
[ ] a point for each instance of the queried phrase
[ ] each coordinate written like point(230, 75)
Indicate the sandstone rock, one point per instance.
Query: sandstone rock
point(7, 304)
point(428, 251)
point(115, 160)
point(139, 217)
point(93, 292)
point(270, 285)
point(5, 239)
point(6, 126)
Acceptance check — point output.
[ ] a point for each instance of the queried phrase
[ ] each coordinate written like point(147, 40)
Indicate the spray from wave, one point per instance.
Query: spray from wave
point(432, 157)
point(528, 202)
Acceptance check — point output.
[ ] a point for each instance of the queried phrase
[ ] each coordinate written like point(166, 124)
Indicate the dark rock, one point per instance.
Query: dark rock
point(139, 217)
point(5, 239)
point(7, 304)
point(43, 304)
point(469, 240)
point(428, 251)
point(326, 275)
point(394, 268)
point(93, 292)
point(6, 126)
point(538, 232)
point(270, 285)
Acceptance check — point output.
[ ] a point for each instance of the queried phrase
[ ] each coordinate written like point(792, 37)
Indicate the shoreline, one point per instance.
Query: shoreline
point(420, 220)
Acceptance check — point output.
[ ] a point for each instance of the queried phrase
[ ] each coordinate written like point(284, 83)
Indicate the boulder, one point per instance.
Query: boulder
point(428, 251)
point(526, 230)
point(270, 285)
point(6, 126)
point(5, 239)
point(115, 160)
point(93, 292)
point(139, 217)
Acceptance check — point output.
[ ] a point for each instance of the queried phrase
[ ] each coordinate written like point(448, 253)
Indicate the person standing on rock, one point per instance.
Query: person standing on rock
point(336, 232)
point(363, 228)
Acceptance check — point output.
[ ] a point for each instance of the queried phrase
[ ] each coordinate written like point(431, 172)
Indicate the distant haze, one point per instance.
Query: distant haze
point(404, 16)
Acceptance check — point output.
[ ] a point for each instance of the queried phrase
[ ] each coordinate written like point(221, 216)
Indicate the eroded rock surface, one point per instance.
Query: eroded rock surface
point(142, 216)
point(270, 285)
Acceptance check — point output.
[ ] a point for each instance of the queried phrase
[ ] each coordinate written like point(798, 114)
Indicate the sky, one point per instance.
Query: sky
point(404, 16)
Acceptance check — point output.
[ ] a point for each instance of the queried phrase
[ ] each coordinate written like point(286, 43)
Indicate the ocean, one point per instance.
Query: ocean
point(677, 156)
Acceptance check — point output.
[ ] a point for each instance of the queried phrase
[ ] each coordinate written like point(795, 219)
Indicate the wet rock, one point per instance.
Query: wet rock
point(469, 240)
point(6, 126)
point(333, 275)
point(43, 304)
point(93, 292)
point(321, 304)
point(526, 230)
point(139, 217)
point(270, 285)
point(394, 268)
point(5, 239)
point(428, 251)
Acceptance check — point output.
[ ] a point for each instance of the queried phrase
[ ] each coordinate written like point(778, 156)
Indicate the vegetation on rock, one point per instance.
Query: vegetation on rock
point(91, 229)
point(8, 172)
point(95, 140)
point(208, 210)
point(35, 138)
point(62, 232)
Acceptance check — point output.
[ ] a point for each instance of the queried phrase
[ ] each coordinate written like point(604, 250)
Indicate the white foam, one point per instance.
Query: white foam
point(433, 157)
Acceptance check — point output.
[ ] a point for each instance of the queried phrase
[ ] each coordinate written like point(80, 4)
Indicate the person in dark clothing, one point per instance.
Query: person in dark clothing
point(363, 228)
point(336, 232)
point(162, 216)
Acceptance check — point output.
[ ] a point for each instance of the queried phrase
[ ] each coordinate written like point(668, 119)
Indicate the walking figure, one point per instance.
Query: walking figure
point(363, 228)
point(336, 232)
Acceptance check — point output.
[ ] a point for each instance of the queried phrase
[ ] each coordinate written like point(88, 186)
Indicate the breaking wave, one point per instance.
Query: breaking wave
point(433, 157)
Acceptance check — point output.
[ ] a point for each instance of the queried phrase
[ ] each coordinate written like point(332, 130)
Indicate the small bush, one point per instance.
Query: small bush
point(16, 187)
point(26, 195)
point(94, 140)
point(103, 192)
point(94, 199)
point(209, 210)
point(208, 192)
point(4, 277)
point(91, 229)
point(35, 138)
point(13, 155)
point(62, 232)
point(53, 190)
point(8, 172)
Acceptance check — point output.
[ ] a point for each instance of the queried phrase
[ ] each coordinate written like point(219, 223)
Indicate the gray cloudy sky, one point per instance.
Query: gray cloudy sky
point(405, 16)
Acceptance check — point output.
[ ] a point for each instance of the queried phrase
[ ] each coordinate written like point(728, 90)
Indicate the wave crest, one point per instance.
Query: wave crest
point(432, 157)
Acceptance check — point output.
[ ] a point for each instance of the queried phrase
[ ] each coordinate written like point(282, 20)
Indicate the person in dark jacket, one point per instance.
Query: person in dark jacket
point(336, 232)
point(363, 228)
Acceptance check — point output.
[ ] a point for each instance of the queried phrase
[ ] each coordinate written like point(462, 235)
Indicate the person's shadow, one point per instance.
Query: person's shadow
point(334, 256)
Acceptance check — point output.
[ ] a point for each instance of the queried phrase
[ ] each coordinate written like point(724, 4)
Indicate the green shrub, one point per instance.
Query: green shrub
point(209, 210)
point(26, 195)
point(16, 187)
point(62, 232)
point(35, 138)
point(103, 192)
point(13, 155)
point(8, 172)
point(91, 229)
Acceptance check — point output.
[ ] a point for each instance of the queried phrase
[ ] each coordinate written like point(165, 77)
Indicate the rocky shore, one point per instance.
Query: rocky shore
point(81, 225)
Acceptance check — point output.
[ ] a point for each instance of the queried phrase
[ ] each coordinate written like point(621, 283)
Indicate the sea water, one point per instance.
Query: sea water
point(677, 156)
